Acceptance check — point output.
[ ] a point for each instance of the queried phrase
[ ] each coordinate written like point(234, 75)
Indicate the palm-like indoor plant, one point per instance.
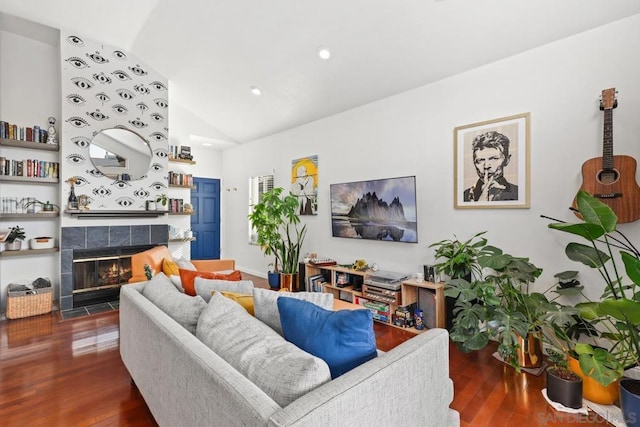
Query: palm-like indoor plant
point(617, 313)
point(277, 225)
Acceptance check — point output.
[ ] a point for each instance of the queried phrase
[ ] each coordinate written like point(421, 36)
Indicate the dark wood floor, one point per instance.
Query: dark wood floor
point(57, 372)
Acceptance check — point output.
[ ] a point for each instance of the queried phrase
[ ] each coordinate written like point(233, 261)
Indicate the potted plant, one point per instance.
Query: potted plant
point(458, 260)
point(46, 206)
point(276, 223)
point(13, 240)
point(563, 385)
point(617, 313)
point(163, 200)
point(496, 304)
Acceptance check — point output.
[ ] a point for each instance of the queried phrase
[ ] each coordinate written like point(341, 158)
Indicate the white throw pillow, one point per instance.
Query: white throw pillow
point(185, 264)
point(205, 287)
point(265, 304)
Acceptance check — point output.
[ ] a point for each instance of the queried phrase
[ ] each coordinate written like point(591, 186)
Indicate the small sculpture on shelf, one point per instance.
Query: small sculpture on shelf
point(51, 132)
point(83, 202)
point(188, 208)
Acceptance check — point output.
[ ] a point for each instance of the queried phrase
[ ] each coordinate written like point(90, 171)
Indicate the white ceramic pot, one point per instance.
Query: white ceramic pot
point(15, 246)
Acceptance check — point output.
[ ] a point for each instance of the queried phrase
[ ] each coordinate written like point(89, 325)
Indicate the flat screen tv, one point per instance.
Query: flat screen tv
point(380, 209)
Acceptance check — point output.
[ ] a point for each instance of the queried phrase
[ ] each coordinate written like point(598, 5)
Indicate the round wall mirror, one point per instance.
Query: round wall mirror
point(120, 154)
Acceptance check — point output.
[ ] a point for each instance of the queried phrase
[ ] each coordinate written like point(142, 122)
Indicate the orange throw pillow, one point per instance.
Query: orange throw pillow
point(187, 278)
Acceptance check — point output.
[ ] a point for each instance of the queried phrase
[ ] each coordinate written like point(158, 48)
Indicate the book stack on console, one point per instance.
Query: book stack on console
point(403, 317)
point(380, 310)
point(314, 283)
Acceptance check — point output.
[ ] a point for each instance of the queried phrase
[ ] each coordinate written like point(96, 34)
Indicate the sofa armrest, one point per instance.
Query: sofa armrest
point(152, 257)
point(214, 264)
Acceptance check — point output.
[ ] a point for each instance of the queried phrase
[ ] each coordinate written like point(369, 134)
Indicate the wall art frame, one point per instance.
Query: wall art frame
point(492, 164)
point(377, 209)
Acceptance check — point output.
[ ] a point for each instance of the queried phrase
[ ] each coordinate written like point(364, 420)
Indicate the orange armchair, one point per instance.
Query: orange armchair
point(153, 258)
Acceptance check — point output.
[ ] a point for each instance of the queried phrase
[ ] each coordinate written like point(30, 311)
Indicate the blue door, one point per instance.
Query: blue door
point(205, 223)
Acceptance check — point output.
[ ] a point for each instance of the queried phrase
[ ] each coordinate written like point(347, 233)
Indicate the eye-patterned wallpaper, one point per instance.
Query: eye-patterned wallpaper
point(105, 87)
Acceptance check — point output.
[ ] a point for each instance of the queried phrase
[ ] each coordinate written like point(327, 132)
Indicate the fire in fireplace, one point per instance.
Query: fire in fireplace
point(99, 273)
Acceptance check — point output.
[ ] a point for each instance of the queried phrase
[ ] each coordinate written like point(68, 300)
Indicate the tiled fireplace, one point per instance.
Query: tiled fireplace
point(103, 245)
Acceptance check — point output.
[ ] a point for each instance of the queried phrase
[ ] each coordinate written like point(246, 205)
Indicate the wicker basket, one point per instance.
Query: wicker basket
point(29, 303)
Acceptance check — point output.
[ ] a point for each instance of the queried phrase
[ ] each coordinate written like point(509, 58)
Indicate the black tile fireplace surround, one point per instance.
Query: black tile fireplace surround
point(102, 237)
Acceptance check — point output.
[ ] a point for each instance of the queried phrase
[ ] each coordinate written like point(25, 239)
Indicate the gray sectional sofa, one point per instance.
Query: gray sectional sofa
point(186, 383)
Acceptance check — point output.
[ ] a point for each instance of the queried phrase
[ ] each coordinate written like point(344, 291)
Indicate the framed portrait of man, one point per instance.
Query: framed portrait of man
point(491, 164)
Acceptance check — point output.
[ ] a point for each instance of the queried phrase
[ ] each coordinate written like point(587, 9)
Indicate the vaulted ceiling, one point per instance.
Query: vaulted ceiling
point(213, 51)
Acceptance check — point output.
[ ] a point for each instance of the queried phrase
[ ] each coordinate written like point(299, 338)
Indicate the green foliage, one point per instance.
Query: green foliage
point(15, 234)
point(617, 313)
point(495, 303)
point(147, 272)
point(276, 222)
point(459, 259)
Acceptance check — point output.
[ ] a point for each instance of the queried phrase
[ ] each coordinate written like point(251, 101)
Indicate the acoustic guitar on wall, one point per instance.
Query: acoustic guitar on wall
point(612, 179)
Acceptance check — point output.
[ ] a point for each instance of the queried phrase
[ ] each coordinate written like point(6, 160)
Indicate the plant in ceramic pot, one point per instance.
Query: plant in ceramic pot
point(13, 240)
point(563, 385)
point(279, 233)
point(496, 304)
point(46, 206)
point(163, 200)
point(617, 313)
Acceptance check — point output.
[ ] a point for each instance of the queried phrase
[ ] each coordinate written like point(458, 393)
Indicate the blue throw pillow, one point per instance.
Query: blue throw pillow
point(343, 339)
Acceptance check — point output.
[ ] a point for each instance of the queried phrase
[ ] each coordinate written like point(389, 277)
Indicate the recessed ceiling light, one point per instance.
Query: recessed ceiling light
point(324, 53)
point(256, 90)
point(207, 144)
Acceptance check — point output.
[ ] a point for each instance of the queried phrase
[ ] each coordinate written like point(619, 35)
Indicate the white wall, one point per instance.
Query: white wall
point(412, 134)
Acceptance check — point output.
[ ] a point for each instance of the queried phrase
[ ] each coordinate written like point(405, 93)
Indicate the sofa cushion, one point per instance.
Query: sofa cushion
point(279, 368)
point(344, 339)
point(186, 264)
point(170, 267)
point(180, 307)
point(246, 301)
point(266, 304)
point(206, 287)
point(187, 277)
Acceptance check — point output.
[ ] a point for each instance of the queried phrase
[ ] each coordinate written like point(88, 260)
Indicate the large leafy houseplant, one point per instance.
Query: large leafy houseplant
point(496, 303)
point(459, 259)
point(617, 314)
point(277, 225)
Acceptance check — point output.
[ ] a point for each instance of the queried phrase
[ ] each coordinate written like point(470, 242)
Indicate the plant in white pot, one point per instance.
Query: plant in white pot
point(277, 225)
point(13, 240)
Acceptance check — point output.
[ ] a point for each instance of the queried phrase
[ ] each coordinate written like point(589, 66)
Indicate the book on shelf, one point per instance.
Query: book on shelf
point(313, 283)
point(185, 153)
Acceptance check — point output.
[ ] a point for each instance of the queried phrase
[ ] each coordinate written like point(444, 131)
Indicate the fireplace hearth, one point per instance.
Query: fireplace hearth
point(82, 289)
point(99, 273)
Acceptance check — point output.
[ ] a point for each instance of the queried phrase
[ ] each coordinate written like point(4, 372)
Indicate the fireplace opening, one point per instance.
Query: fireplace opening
point(99, 273)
